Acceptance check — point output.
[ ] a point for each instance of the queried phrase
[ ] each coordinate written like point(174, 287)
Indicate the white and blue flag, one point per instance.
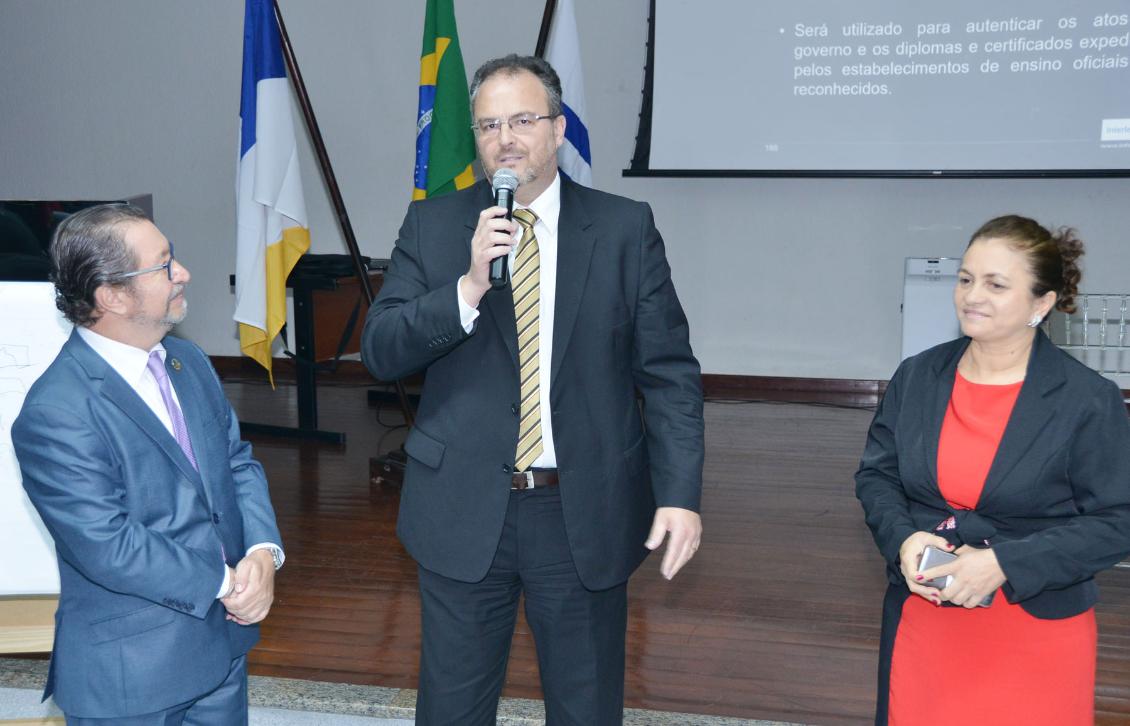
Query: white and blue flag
point(563, 52)
point(272, 231)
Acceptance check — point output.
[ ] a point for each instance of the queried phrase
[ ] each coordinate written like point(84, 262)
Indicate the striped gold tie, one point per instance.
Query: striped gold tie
point(527, 295)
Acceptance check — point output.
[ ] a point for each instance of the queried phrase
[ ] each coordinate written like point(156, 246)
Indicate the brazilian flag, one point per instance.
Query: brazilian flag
point(445, 144)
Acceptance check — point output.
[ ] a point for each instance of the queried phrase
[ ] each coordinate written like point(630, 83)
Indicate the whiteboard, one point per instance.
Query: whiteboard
point(32, 331)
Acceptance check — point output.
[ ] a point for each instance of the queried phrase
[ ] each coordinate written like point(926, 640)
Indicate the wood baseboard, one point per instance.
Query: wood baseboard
point(831, 391)
point(859, 392)
point(834, 391)
point(242, 368)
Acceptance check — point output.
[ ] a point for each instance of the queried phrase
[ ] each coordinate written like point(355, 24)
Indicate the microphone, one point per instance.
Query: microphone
point(504, 183)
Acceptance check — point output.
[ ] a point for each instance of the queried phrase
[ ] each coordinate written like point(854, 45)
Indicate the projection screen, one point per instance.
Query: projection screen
point(1012, 87)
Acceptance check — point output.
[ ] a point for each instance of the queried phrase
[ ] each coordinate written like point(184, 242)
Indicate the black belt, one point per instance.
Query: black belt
point(534, 479)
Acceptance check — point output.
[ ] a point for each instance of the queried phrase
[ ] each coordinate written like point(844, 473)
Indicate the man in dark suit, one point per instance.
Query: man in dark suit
point(532, 466)
point(166, 539)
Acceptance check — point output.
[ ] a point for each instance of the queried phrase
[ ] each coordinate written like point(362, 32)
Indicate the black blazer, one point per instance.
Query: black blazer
point(1056, 502)
point(618, 327)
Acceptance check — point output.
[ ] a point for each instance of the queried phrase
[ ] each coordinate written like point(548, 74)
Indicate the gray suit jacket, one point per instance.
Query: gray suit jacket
point(618, 329)
point(138, 531)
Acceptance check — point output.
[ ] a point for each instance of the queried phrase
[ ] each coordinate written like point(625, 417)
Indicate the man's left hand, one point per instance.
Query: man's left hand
point(254, 590)
point(685, 527)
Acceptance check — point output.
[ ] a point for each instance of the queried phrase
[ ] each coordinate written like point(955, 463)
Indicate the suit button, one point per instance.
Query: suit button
point(215, 517)
point(506, 468)
point(514, 409)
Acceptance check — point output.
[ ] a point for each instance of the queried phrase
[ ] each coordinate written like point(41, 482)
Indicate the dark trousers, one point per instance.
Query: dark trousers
point(226, 705)
point(468, 628)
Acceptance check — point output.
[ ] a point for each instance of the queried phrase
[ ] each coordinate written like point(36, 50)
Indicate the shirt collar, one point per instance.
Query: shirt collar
point(129, 362)
point(547, 206)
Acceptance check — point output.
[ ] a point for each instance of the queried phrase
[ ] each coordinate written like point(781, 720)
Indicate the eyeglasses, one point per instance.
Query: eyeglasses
point(520, 123)
point(167, 267)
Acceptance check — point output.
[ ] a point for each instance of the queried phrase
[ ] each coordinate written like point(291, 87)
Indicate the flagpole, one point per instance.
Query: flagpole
point(546, 21)
point(323, 157)
point(331, 182)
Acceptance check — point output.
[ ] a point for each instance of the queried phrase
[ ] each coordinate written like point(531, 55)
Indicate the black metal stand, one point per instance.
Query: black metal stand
point(331, 183)
point(305, 366)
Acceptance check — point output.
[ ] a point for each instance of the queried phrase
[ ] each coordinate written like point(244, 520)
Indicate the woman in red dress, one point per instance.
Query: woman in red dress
point(1004, 450)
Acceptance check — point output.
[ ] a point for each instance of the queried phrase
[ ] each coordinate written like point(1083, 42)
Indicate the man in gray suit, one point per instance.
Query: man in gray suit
point(532, 466)
point(163, 527)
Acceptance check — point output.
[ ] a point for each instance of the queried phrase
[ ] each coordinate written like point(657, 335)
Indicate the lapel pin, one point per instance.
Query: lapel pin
point(175, 364)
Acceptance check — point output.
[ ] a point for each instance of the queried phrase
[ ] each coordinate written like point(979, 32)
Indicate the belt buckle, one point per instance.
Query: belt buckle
point(529, 479)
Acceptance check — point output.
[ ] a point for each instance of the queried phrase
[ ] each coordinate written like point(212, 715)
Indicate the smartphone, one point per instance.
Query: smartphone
point(933, 557)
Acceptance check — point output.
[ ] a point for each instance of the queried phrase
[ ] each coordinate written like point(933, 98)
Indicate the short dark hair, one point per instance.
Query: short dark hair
point(88, 250)
point(512, 65)
point(1052, 258)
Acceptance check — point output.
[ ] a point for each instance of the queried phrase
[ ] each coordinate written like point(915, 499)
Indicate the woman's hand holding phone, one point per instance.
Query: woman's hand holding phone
point(976, 577)
point(910, 554)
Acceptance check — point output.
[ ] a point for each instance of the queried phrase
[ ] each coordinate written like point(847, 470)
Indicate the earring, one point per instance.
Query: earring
point(1035, 321)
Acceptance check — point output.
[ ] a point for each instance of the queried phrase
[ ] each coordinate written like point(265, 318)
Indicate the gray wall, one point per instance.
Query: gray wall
point(779, 277)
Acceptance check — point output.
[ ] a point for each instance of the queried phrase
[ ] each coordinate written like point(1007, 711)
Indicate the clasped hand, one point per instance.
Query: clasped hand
point(253, 588)
point(976, 572)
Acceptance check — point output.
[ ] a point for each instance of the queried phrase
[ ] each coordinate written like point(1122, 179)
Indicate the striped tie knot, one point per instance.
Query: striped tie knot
point(526, 219)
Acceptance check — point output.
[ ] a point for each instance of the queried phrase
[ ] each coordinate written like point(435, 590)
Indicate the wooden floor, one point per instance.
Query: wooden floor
point(777, 617)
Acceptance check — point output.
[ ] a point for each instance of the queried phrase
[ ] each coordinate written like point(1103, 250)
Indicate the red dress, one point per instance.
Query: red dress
point(996, 665)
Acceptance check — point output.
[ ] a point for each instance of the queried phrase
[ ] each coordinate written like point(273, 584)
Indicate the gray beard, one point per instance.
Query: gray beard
point(171, 319)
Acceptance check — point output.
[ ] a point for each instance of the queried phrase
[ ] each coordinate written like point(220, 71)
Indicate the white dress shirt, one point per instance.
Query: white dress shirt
point(132, 364)
point(547, 207)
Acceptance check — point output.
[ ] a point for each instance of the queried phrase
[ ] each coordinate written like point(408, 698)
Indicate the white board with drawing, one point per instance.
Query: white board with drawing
point(32, 331)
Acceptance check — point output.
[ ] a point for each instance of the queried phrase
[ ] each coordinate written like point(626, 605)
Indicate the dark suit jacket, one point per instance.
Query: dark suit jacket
point(618, 326)
point(138, 531)
point(1056, 502)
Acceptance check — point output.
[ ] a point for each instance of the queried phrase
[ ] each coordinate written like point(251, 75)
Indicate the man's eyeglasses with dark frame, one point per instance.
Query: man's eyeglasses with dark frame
point(167, 267)
point(519, 123)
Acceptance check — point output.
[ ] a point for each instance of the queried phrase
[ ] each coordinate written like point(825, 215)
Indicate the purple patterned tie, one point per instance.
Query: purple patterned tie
point(180, 431)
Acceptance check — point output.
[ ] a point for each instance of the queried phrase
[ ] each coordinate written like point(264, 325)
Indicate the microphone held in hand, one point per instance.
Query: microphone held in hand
point(504, 183)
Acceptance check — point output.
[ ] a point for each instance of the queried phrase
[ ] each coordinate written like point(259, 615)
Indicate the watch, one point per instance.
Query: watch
point(276, 555)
